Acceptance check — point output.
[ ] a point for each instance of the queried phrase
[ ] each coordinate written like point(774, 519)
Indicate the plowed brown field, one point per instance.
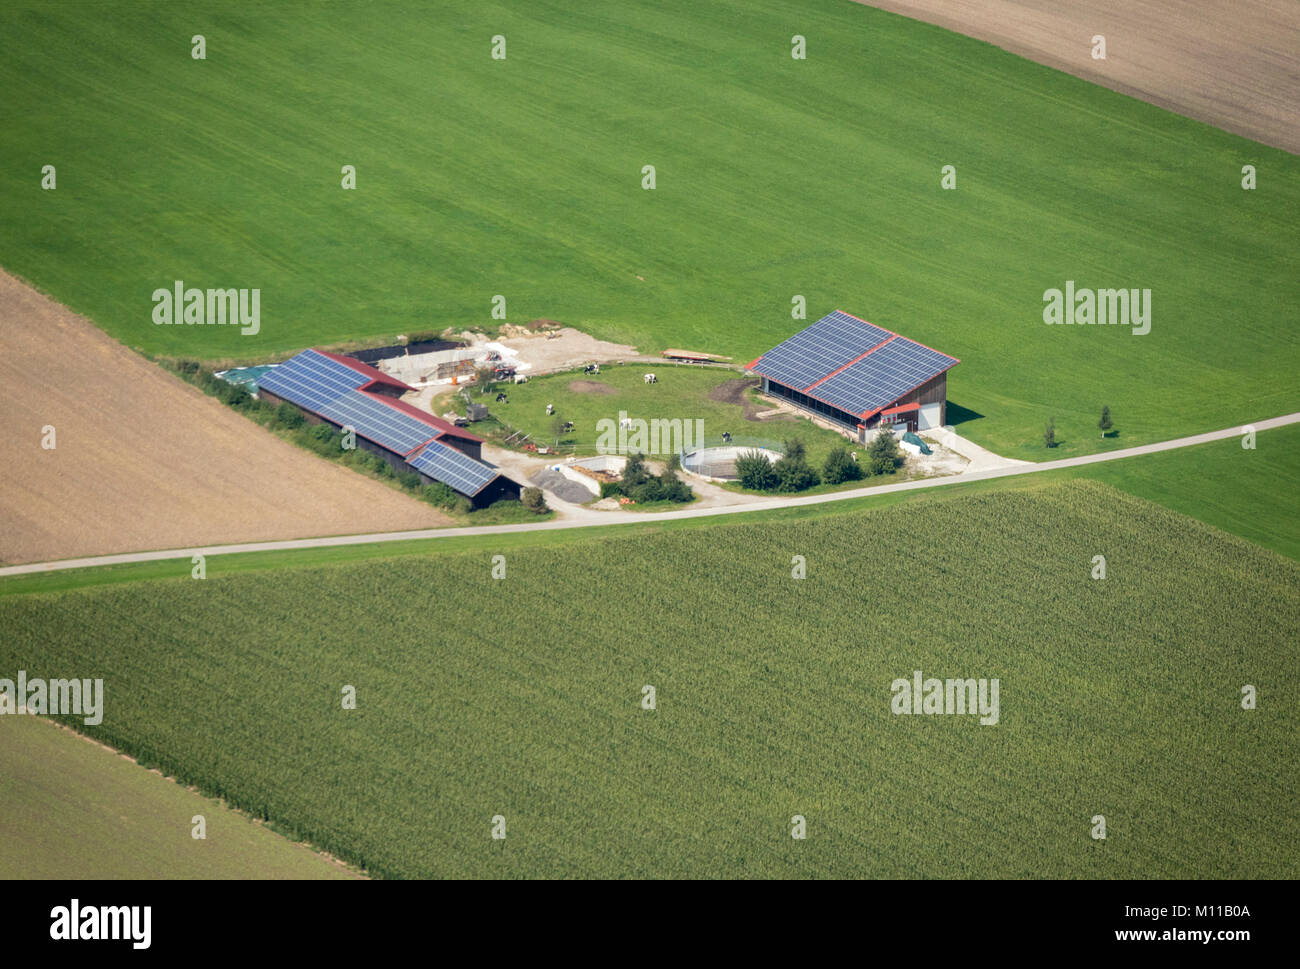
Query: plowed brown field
point(1231, 63)
point(145, 461)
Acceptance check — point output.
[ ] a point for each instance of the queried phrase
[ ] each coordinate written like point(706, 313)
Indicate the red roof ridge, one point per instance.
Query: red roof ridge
point(854, 360)
point(375, 375)
point(443, 427)
point(907, 338)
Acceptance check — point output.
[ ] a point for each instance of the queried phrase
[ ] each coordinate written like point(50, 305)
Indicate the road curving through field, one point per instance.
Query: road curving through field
point(590, 519)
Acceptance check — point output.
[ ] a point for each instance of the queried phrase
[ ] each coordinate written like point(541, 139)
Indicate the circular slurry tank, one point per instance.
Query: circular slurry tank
point(720, 462)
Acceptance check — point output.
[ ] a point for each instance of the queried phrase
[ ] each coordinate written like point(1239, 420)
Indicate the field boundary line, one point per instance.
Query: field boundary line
point(767, 504)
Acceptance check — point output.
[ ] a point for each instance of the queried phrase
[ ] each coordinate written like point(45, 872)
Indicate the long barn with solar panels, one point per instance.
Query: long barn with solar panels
point(338, 390)
point(858, 375)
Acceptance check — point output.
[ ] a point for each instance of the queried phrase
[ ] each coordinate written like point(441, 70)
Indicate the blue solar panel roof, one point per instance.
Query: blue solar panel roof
point(378, 422)
point(312, 380)
point(883, 376)
point(851, 364)
point(327, 387)
point(331, 389)
point(820, 349)
point(453, 468)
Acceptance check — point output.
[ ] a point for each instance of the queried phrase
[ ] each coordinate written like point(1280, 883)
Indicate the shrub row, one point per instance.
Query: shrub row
point(791, 472)
point(321, 439)
point(641, 486)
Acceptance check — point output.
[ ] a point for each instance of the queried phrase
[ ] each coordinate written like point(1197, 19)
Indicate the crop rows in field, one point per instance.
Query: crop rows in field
point(521, 697)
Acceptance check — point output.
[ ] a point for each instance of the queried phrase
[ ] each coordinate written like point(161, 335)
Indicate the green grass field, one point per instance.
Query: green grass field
point(71, 809)
point(681, 394)
point(1251, 493)
point(1118, 697)
point(775, 177)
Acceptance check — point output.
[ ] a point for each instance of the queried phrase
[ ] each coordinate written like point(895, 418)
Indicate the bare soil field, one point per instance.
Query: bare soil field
point(591, 387)
point(733, 392)
point(571, 348)
point(143, 460)
point(1230, 63)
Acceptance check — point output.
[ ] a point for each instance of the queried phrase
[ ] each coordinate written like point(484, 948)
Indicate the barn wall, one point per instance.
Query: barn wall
point(463, 444)
point(933, 391)
point(500, 488)
point(850, 421)
point(395, 461)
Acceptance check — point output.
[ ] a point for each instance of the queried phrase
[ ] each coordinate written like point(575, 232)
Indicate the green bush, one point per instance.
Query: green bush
point(840, 467)
point(792, 470)
point(754, 471)
point(410, 480)
point(439, 494)
point(323, 439)
point(883, 453)
point(236, 395)
point(635, 473)
point(533, 500)
point(794, 475)
point(647, 490)
point(289, 416)
point(673, 488)
point(641, 486)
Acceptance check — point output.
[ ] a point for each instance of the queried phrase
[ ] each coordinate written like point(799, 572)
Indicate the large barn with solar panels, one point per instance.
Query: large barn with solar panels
point(858, 375)
point(348, 393)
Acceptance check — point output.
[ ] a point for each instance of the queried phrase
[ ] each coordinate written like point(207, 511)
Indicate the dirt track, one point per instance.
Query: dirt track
point(144, 461)
point(733, 392)
point(1231, 63)
point(591, 387)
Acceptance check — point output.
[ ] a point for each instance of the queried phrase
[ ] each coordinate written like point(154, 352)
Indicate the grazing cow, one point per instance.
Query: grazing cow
point(550, 409)
point(568, 425)
point(502, 399)
point(521, 378)
point(650, 378)
point(726, 437)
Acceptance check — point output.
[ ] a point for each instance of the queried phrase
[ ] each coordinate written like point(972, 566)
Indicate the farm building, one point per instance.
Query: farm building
point(344, 392)
point(858, 375)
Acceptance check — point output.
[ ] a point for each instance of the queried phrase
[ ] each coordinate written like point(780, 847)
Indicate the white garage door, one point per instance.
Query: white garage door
point(930, 416)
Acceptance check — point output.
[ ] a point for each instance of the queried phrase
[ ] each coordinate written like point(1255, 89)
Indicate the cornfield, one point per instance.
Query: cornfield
point(521, 697)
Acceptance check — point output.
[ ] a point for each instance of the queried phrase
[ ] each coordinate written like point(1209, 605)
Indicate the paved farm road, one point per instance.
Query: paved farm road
point(595, 519)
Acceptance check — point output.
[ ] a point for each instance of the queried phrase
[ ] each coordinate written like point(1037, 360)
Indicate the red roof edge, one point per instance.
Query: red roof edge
point(899, 409)
point(887, 330)
point(850, 363)
point(750, 365)
point(376, 376)
point(437, 423)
